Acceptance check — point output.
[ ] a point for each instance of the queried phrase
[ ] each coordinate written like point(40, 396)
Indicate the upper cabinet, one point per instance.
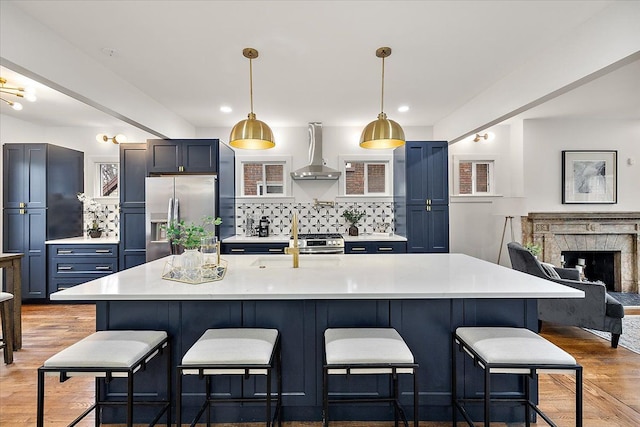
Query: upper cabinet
point(426, 169)
point(24, 169)
point(182, 156)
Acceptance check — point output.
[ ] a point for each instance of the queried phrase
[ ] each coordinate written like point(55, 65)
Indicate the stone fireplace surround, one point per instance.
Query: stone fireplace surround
point(619, 232)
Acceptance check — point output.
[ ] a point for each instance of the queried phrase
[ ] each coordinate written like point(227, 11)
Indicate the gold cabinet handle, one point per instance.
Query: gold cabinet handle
point(385, 249)
point(237, 250)
point(64, 251)
point(180, 168)
point(276, 249)
point(22, 205)
point(103, 251)
point(103, 268)
point(358, 249)
point(64, 267)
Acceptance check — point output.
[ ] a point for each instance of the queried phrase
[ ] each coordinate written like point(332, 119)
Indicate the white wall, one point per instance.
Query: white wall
point(544, 142)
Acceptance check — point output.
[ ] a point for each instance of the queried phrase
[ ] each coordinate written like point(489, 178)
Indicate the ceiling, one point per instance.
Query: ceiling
point(317, 58)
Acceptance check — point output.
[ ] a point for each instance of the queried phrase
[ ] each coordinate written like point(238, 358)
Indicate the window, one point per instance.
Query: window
point(476, 177)
point(261, 178)
point(106, 177)
point(364, 177)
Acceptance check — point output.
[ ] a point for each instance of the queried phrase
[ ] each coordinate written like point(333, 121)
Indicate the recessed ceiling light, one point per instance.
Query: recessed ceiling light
point(226, 109)
point(403, 108)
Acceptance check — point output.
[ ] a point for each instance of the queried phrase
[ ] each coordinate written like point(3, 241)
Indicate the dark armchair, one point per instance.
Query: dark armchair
point(597, 310)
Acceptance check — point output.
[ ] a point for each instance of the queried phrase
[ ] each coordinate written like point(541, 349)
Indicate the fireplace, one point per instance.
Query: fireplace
point(588, 233)
point(597, 266)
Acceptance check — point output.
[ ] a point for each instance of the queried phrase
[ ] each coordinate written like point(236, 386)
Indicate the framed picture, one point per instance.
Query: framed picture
point(589, 176)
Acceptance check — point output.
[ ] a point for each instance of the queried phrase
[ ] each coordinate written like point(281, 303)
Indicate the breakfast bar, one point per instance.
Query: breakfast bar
point(423, 296)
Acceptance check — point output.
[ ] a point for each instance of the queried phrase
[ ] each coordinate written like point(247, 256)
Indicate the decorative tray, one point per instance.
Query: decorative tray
point(205, 273)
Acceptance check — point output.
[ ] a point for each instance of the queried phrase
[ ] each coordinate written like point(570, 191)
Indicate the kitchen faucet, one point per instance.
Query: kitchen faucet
point(295, 250)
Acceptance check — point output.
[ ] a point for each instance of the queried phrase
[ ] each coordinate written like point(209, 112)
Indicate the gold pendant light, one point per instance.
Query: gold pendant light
point(383, 132)
point(251, 133)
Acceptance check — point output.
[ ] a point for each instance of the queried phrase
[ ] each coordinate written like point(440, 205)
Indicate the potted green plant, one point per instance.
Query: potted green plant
point(353, 216)
point(95, 212)
point(533, 248)
point(189, 235)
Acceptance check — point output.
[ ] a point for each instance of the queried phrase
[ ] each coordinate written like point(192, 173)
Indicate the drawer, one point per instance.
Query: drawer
point(60, 267)
point(56, 285)
point(84, 250)
point(256, 248)
point(389, 247)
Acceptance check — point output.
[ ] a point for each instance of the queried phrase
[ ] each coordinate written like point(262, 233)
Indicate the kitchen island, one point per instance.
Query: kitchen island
point(424, 296)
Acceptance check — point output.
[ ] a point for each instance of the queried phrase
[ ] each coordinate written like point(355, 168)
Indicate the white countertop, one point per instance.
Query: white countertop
point(283, 238)
point(84, 240)
point(368, 276)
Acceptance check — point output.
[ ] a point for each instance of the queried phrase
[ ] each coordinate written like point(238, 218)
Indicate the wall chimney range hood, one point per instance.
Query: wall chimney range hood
point(316, 168)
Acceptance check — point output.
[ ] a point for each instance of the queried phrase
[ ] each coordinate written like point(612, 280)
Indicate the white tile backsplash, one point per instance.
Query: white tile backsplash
point(379, 217)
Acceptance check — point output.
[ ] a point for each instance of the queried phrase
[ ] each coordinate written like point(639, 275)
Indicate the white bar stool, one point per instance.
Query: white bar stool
point(507, 350)
point(6, 315)
point(109, 355)
point(367, 351)
point(234, 351)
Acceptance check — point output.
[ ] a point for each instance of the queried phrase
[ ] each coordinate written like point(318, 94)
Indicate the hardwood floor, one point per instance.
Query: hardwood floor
point(611, 376)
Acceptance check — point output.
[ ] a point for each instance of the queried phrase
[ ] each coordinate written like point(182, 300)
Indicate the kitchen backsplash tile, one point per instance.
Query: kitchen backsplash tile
point(109, 220)
point(311, 219)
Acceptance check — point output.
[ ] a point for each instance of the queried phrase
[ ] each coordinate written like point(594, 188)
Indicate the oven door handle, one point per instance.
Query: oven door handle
point(325, 251)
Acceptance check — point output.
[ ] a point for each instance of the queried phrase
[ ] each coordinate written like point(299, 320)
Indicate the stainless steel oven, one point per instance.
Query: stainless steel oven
point(319, 243)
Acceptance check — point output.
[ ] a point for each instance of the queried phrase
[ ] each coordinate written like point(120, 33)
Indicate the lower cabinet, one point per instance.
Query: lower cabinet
point(254, 248)
point(71, 264)
point(375, 247)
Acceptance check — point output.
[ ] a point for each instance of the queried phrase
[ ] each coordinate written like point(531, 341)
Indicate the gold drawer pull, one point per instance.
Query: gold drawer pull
point(384, 249)
point(103, 251)
point(64, 251)
point(65, 267)
point(237, 250)
point(276, 250)
point(103, 267)
point(358, 249)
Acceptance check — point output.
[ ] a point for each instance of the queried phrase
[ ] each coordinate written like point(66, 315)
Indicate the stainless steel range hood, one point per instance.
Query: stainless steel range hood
point(316, 168)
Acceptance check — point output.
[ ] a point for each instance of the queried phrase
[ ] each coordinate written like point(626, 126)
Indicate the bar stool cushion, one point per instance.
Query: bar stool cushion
point(351, 346)
point(232, 346)
point(5, 296)
point(506, 345)
point(107, 349)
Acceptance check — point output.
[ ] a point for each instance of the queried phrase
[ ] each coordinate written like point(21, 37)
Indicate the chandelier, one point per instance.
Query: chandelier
point(19, 92)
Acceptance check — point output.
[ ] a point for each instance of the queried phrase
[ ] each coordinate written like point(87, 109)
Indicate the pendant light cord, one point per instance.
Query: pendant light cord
point(382, 97)
point(251, 82)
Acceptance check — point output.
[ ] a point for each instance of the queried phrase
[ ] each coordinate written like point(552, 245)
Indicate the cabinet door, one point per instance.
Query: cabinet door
point(24, 174)
point(133, 171)
point(426, 169)
point(200, 156)
point(182, 155)
point(427, 228)
point(132, 239)
point(23, 232)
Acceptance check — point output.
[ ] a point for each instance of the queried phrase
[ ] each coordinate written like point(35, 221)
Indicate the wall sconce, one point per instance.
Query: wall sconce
point(487, 136)
point(118, 139)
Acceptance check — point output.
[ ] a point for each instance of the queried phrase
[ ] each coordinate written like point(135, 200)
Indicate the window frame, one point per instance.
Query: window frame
point(285, 161)
point(491, 161)
point(96, 177)
point(367, 160)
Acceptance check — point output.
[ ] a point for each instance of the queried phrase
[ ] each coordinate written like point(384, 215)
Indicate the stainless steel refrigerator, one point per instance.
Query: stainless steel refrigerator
point(175, 198)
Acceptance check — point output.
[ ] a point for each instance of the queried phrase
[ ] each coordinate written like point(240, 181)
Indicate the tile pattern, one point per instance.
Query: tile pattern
point(109, 220)
point(379, 217)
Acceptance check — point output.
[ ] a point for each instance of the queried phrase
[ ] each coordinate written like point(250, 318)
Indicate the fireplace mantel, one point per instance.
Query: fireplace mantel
point(556, 232)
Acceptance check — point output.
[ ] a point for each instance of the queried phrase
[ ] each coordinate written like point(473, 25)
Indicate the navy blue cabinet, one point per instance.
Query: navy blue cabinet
point(72, 264)
point(375, 247)
point(421, 195)
point(40, 184)
point(182, 155)
point(254, 248)
point(133, 171)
